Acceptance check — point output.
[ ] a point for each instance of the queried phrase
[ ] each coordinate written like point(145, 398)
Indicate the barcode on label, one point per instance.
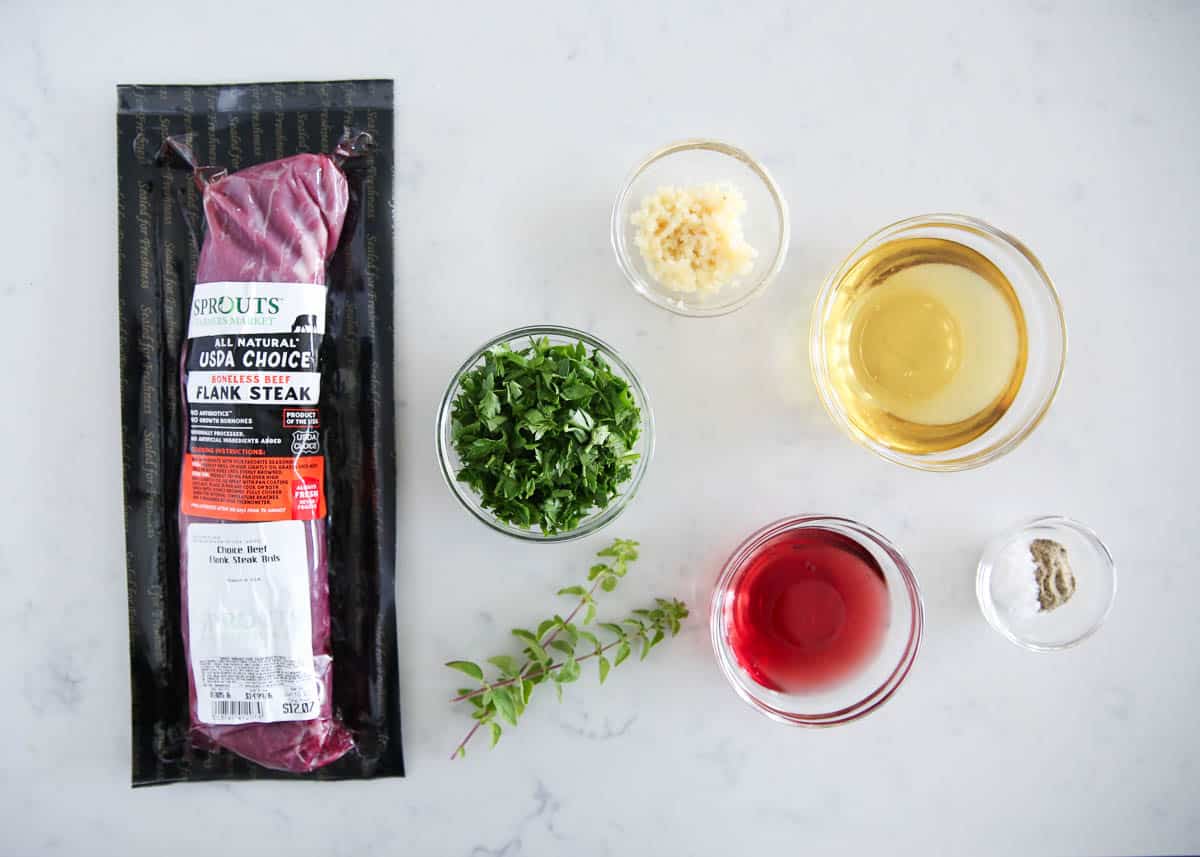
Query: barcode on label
point(226, 709)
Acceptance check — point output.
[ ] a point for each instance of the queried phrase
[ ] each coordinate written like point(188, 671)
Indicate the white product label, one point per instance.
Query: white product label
point(232, 308)
point(250, 623)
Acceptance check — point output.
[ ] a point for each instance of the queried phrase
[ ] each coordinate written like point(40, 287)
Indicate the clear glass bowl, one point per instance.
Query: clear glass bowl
point(765, 223)
point(1046, 332)
point(451, 463)
point(1072, 623)
point(871, 686)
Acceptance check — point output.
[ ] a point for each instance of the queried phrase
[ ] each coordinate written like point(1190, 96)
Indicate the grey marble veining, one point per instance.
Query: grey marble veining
point(1073, 125)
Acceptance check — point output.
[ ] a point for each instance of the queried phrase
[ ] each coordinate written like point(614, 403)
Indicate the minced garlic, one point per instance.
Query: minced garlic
point(691, 238)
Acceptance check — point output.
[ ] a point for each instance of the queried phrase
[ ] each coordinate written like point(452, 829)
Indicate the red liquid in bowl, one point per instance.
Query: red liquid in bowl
point(808, 610)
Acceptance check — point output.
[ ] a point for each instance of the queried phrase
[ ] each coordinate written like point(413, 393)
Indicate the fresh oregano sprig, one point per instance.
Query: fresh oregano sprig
point(555, 649)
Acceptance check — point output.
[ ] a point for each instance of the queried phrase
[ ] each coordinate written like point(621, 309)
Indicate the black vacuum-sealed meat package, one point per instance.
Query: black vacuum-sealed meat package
point(252, 511)
point(256, 376)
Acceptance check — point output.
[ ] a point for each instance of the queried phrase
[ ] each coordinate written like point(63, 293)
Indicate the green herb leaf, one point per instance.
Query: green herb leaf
point(505, 704)
point(575, 391)
point(573, 590)
point(506, 664)
point(582, 420)
point(625, 549)
point(537, 653)
point(489, 405)
point(568, 672)
point(495, 733)
point(600, 434)
point(605, 666)
point(471, 669)
point(535, 423)
point(622, 653)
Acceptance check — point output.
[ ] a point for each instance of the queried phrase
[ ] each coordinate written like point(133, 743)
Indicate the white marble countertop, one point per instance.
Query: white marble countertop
point(1073, 125)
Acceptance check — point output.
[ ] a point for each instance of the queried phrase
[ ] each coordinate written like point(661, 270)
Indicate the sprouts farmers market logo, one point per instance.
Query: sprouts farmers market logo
point(240, 311)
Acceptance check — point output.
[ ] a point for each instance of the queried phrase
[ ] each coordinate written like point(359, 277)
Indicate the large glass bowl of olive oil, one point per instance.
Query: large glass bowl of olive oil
point(939, 343)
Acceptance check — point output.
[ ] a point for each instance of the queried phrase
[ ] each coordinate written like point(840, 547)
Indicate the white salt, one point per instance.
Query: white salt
point(1014, 581)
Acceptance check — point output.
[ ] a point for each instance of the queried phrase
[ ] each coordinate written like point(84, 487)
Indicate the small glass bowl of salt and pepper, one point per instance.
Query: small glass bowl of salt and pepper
point(1047, 584)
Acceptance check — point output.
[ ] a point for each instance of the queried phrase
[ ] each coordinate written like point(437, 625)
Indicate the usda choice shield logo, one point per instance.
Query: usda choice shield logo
point(305, 442)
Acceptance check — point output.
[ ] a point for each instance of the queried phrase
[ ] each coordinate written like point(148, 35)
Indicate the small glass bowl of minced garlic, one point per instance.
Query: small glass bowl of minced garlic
point(700, 228)
point(1047, 584)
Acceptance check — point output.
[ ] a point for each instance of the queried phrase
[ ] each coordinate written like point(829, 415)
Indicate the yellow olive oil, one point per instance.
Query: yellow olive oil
point(925, 343)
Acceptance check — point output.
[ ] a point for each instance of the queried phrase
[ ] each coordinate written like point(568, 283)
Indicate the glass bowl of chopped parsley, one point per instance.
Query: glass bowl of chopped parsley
point(545, 433)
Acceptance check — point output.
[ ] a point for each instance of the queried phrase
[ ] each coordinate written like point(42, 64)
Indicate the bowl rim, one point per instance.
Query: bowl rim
point(832, 405)
point(588, 525)
point(877, 697)
point(624, 254)
point(983, 576)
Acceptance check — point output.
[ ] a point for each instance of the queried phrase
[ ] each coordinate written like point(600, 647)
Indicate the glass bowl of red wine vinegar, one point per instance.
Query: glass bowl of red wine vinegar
point(816, 620)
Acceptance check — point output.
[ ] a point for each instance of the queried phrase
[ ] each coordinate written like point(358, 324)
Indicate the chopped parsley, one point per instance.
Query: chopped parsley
point(545, 434)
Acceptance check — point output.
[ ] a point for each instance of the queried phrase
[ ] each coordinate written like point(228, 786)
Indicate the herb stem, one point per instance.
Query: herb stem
point(556, 631)
point(522, 675)
point(506, 682)
point(462, 745)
